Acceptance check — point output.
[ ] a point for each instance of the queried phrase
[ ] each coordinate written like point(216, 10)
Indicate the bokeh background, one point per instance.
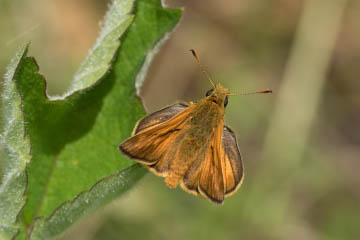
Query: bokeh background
point(301, 145)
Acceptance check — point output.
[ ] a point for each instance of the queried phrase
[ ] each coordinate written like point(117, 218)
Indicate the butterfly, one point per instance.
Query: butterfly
point(189, 144)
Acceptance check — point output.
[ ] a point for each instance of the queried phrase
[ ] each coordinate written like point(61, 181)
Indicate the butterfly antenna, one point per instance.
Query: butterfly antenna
point(201, 66)
point(242, 94)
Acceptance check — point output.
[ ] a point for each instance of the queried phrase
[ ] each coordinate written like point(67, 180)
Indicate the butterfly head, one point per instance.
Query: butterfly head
point(218, 95)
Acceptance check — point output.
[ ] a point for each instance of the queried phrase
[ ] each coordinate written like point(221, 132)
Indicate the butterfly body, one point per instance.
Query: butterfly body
point(190, 144)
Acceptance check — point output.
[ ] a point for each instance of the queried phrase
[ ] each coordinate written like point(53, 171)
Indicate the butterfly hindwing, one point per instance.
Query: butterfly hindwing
point(159, 116)
point(233, 170)
point(190, 181)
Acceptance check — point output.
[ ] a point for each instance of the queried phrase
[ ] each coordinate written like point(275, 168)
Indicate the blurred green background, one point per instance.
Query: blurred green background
point(301, 145)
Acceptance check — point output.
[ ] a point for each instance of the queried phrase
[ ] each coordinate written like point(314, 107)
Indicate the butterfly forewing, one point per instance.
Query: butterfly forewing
point(205, 175)
point(219, 172)
point(154, 134)
point(211, 183)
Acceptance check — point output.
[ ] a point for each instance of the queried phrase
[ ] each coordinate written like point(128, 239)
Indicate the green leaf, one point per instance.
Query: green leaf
point(117, 20)
point(102, 192)
point(75, 165)
point(15, 153)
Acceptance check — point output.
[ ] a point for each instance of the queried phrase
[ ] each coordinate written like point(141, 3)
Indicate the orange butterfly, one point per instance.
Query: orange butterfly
point(190, 144)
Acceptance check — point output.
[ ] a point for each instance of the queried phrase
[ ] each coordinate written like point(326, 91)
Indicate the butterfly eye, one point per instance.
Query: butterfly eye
point(226, 101)
point(209, 92)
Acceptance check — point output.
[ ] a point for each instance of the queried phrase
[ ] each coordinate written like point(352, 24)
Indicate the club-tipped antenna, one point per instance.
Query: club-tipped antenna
point(201, 66)
point(243, 94)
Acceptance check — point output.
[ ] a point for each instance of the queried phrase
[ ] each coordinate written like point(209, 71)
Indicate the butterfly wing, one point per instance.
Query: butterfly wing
point(215, 174)
point(158, 117)
point(220, 172)
point(233, 170)
point(211, 182)
point(205, 175)
point(152, 136)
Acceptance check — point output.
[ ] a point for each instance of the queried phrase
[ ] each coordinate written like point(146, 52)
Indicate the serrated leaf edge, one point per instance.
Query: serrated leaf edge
point(21, 168)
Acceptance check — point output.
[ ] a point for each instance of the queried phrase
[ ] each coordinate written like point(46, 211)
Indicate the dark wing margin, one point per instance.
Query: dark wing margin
point(159, 116)
point(233, 169)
